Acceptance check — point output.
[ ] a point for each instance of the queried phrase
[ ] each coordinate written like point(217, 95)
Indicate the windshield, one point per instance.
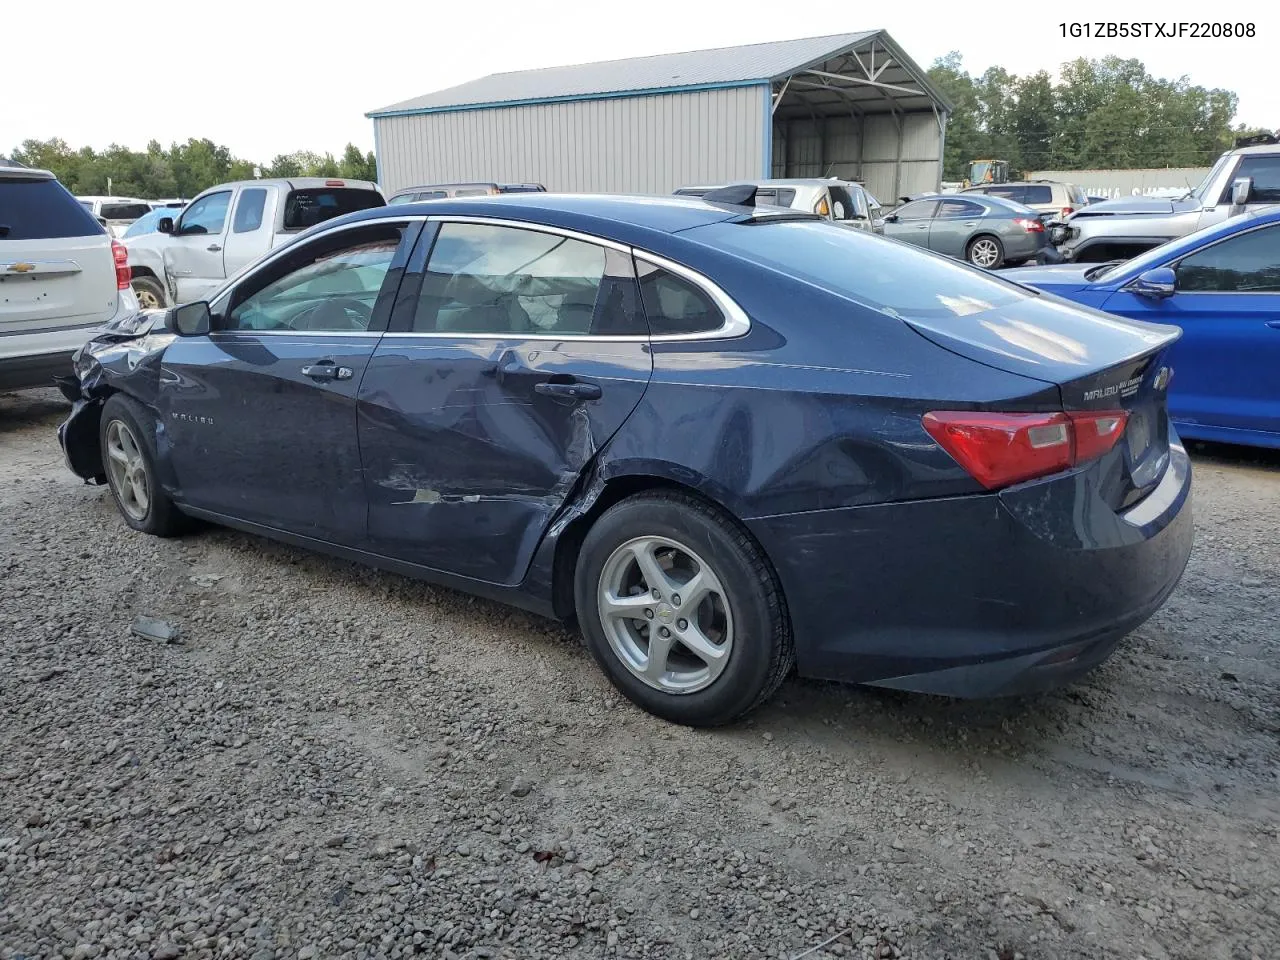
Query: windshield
point(1211, 177)
point(895, 278)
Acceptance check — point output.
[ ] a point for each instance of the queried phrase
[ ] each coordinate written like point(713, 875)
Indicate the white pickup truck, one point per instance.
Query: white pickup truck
point(229, 226)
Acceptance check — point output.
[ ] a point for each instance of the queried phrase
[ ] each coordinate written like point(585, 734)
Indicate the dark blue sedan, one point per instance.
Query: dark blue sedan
point(1221, 285)
point(724, 440)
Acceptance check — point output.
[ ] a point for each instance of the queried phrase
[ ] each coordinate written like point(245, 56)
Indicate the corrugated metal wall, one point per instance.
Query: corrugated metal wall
point(1122, 183)
point(650, 144)
point(831, 148)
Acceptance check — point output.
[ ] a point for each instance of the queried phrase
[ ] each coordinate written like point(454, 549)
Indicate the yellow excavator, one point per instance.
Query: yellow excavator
point(987, 171)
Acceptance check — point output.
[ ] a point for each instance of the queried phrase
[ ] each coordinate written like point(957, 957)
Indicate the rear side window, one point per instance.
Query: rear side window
point(489, 279)
point(42, 210)
point(961, 208)
point(124, 211)
point(1009, 193)
point(1077, 196)
point(1038, 193)
point(673, 305)
point(249, 209)
point(896, 278)
point(306, 208)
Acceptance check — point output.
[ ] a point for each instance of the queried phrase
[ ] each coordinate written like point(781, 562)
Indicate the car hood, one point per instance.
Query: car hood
point(1045, 338)
point(1061, 276)
point(1136, 207)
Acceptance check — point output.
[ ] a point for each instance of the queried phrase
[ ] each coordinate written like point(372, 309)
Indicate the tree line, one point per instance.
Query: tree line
point(181, 170)
point(1099, 114)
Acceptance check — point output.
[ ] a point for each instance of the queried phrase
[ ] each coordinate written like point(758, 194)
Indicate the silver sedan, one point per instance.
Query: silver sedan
point(987, 231)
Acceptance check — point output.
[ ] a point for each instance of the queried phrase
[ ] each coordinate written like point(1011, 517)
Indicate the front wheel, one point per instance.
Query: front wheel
point(986, 252)
point(128, 454)
point(681, 610)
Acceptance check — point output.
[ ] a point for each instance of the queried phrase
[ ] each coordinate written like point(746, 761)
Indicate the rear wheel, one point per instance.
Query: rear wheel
point(680, 608)
point(985, 251)
point(149, 291)
point(128, 454)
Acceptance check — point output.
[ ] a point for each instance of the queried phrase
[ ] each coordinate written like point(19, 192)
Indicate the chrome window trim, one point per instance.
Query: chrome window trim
point(736, 323)
point(298, 240)
point(283, 250)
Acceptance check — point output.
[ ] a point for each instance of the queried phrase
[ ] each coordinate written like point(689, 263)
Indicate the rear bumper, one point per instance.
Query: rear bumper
point(984, 595)
point(34, 358)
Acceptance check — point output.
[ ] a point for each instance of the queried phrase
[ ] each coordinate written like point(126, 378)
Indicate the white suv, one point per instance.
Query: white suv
point(61, 278)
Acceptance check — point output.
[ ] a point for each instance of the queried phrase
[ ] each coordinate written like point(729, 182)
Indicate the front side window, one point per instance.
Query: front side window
point(206, 215)
point(249, 210)
point(489, 279)
point(1247, 263)
point(1265, 172)
point(960, 209)
point(919, 210)
point(330, 285)
point(673, 305)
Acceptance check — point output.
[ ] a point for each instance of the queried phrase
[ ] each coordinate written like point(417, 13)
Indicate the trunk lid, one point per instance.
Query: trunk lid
point(1099, 362)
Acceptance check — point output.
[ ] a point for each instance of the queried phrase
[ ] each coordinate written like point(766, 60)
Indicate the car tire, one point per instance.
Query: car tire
point(738, 634)
point(985, 251)
point(150, 293)
point(129, 460)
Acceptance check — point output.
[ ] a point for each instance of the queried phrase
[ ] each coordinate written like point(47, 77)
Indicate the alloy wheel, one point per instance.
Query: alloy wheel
point(984, 253)
point(665, 614)
point(127, 470)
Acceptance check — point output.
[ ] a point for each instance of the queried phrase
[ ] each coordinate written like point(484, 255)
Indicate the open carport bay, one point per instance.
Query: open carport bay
point(337, 762)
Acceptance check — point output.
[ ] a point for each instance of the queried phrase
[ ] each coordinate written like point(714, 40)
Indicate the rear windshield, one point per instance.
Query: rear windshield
point(42, 210)
point(124, 211)
point(306, 208)
point(894, 277)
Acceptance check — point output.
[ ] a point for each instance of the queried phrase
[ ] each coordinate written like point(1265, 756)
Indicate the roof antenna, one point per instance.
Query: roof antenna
point(738, 194)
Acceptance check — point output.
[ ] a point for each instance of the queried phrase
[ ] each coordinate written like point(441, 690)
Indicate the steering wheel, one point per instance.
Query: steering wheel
point(349, 305)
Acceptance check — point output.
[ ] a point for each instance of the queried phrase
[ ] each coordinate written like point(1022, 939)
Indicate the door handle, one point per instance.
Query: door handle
point(327, 370)
point(214, 247)
point(568, 391)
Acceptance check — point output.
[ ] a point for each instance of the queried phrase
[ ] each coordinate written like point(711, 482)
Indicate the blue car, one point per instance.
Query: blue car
point(1221, 285)
point(722, 439)
point(147, 222)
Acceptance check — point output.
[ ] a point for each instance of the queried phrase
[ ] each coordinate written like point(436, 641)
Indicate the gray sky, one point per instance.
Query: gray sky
point(266, 77)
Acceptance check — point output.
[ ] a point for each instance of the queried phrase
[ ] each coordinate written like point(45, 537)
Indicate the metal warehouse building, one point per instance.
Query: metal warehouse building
point(851, 105)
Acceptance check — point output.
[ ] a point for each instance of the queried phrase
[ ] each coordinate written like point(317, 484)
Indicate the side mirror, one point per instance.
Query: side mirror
point(165, 225)
point(102, 222)
point(891, 218)
point(1156, 284)
point(1240, 191)
point(189, 319)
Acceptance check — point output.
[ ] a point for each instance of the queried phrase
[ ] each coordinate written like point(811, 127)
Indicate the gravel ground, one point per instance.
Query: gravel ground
point(338, 762)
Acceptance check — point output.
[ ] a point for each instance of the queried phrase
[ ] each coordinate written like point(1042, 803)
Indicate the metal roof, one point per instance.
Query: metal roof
point(757, 63)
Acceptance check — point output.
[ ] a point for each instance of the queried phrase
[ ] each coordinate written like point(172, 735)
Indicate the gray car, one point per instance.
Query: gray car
point(987, 231)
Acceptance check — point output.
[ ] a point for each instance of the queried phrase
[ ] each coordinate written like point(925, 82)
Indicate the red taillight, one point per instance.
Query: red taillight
point(335, 183)
point(121, 256)
point(1029, 225)
point(999, 449)
point(1067, 211)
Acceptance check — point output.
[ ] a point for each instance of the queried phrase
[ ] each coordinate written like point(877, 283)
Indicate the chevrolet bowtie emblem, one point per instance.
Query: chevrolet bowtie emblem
point(21, 267)
point(1162, 378)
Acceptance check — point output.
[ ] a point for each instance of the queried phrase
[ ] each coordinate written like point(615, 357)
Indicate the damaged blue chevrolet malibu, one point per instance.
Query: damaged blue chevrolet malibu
point(724, 440)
